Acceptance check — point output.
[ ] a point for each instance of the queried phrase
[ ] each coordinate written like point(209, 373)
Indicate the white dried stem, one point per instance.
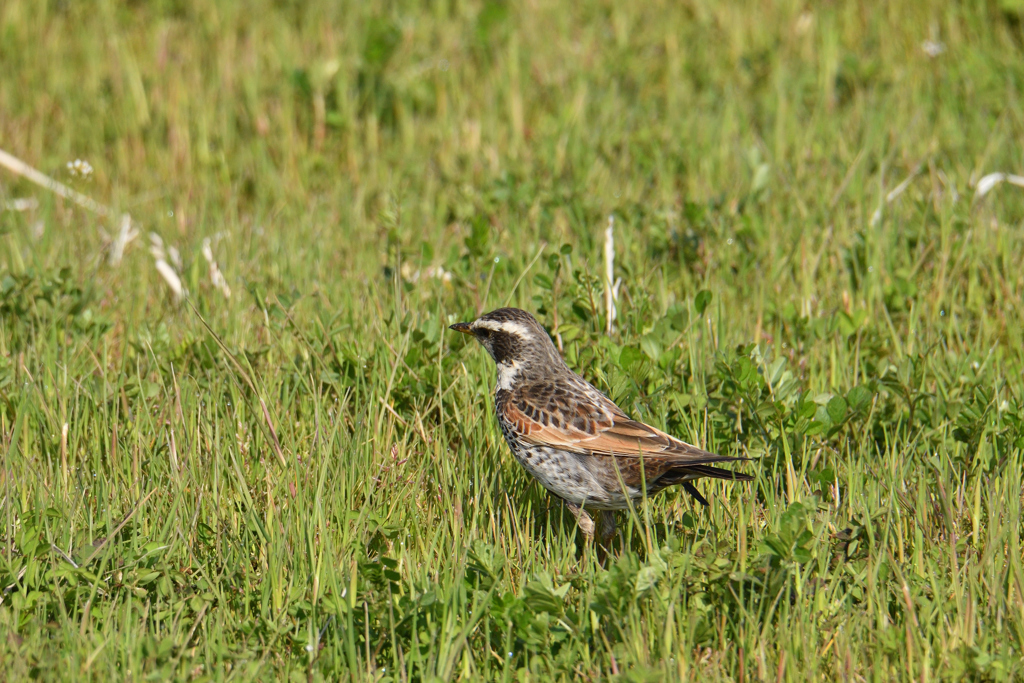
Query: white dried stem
point(172, 279)
point(124, 236)
point(174, 256)
point(988, 183)
point(170, 276)
point(611, 285)
point(216, 277)
point(896, 192)
point(16, 165)
point(22, 204)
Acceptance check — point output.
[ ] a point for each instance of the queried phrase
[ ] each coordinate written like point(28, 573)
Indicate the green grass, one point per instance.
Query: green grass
point(866, 352)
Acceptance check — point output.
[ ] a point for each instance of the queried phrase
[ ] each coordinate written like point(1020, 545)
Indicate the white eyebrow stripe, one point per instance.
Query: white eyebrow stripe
point(507, 326)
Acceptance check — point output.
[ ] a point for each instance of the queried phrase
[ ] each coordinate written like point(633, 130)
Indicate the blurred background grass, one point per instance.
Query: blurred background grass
point(367, 175)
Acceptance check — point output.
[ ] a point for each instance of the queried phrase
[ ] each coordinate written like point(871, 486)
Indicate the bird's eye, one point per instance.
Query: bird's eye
point(483, 332)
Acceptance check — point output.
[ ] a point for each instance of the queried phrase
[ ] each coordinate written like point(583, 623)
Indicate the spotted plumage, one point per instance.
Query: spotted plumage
point(576, 442)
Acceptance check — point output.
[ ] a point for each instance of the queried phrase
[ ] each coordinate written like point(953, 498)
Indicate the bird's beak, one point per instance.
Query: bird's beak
point(461, 327)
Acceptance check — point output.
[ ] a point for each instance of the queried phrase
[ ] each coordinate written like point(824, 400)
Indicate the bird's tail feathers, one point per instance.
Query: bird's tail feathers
point(688, 472)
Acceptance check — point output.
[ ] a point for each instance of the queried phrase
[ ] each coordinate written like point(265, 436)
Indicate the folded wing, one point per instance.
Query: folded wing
point(590, 424)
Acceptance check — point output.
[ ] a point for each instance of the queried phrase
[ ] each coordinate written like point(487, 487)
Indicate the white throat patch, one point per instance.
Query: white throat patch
point(507, 373)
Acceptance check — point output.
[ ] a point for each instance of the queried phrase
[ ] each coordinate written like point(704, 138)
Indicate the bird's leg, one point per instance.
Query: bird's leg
point(607, 527)
point(583, 518)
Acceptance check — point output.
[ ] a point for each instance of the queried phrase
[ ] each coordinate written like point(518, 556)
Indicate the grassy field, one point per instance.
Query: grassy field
point(304, 480)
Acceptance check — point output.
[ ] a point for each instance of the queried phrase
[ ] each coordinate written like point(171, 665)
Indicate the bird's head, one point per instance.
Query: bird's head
point(513, 337)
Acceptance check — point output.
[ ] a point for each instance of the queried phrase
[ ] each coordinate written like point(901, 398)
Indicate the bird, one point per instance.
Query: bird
point(572, 438)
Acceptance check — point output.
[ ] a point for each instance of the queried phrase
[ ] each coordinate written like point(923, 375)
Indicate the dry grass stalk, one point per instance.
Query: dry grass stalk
point(893, 194)
point(167, 272)
point(125, 235)
point(611, 285)
point(19, 167)
point(216, 277)
point(988, 183)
